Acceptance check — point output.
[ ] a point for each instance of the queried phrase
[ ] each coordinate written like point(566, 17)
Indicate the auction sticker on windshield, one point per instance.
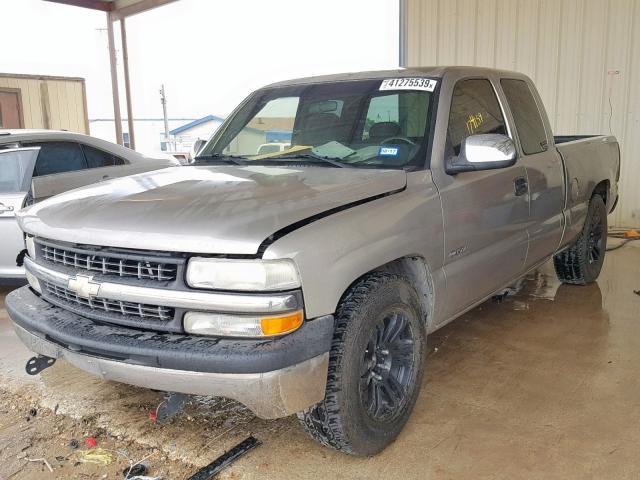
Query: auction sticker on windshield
point(424, 84)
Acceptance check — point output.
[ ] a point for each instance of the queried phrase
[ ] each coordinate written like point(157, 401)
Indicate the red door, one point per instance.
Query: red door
point(10, 108)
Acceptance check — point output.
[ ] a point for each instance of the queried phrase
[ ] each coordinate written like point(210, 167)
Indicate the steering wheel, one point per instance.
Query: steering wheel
point(401, 139)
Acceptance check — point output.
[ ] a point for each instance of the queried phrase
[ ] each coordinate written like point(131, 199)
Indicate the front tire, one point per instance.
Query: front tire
point(375, 367)
point(581, 263)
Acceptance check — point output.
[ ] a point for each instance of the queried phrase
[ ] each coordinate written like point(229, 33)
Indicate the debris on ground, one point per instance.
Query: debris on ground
point(51, 436)
point(226, 459)
point(626, 237)
point(90, 442)
point(137, 470)
point(171, 406)
point(41, 460)
point(97, 456)
point(637, 292)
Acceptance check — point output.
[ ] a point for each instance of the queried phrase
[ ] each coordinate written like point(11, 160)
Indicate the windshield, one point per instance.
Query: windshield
point(372, 123)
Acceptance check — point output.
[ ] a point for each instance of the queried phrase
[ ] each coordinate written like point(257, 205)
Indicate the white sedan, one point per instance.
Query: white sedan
point(36, 164)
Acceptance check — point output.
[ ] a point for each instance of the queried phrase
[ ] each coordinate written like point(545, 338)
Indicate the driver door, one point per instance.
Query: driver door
point(485, 218)
point(16, 168)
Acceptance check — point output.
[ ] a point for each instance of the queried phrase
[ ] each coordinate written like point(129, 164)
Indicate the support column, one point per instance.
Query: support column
point(402, 31)
point(114, 80)
point(127, 85)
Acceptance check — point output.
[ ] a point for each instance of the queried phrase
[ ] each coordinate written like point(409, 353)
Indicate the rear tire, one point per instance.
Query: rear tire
point(582, 261)
point(375, 367)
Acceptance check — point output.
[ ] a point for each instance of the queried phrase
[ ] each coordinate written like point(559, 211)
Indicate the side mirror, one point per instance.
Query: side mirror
point(197, 146)
point(483, 152)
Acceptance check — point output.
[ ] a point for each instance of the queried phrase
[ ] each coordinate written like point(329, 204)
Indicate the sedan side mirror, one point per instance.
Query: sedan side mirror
point(483, 152)
point(197, 146)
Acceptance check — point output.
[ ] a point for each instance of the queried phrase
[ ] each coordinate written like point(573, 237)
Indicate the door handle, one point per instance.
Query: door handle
point(4, 209)
point(521, 186)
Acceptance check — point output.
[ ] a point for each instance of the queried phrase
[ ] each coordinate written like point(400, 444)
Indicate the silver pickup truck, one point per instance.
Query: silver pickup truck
point(306, 280)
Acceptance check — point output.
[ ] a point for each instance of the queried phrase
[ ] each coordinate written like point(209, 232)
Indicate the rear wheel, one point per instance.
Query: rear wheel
point(582, 261)
point(375, 367)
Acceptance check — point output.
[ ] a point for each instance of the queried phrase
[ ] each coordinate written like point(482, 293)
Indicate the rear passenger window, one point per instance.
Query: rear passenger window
point(58, 157)
point(526, 116)
point(98, 158)
point(474, 110)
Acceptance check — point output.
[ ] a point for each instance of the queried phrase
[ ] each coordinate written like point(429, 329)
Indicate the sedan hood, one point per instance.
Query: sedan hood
point(222, 209)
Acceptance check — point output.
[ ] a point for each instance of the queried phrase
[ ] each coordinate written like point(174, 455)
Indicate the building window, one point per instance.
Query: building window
point(125, 139)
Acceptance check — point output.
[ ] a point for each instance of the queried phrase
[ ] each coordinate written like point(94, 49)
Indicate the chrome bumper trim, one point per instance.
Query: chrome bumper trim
point(218, 302)
point(274, 394)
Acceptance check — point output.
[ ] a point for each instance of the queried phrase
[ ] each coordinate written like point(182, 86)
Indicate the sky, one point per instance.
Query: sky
point(209, 54)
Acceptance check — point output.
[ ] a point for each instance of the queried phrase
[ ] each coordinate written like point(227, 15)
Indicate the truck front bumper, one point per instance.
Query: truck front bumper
point(273, 377)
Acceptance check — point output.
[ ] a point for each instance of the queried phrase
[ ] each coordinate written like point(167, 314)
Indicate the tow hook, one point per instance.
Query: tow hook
point(37, 364)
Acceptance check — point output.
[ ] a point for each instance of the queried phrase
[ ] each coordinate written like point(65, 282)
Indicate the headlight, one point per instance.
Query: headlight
point(245, 275)
point(31, 247)
point(203, 323)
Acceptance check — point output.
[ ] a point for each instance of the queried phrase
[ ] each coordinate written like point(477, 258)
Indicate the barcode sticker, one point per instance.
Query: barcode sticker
point(424, 84)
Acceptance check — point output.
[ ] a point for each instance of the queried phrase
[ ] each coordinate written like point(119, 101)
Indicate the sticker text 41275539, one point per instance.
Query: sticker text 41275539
point(424, 84)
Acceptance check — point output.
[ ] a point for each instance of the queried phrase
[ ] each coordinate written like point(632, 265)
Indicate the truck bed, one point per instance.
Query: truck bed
point(588, 159)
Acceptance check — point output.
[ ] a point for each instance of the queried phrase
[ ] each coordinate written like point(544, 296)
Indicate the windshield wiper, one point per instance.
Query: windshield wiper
point(312, 156)
point(221, 157)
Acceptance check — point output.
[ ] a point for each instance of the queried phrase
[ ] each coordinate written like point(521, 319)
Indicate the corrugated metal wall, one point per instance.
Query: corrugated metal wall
point(572, 49)
point(50, 102)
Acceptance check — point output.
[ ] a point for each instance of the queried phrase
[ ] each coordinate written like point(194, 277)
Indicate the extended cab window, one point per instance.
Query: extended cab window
point(97, 158)
point(474, 110)
point(526, 116)
point(58, 157)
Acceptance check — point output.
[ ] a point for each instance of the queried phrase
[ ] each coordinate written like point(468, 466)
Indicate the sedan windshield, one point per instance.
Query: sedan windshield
point(371, 123)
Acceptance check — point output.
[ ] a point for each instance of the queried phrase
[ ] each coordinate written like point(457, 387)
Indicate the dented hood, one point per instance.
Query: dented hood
point(203, 209)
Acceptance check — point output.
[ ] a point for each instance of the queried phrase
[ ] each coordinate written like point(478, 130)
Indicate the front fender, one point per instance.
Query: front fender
point(333, 252)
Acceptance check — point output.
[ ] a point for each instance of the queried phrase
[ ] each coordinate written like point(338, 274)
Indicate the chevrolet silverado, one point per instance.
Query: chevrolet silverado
point(305, 281)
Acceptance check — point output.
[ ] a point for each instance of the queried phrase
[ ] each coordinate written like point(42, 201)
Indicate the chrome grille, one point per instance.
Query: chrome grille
point(109, 264)
point(129, 309)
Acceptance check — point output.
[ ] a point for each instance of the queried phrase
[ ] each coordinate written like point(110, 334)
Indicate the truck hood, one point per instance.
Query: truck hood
point(203, 209)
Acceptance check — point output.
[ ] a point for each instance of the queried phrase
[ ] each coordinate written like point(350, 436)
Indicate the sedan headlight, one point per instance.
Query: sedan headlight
point(242, 275)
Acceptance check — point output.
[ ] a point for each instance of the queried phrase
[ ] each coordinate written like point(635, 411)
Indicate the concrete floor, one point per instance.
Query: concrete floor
point(544, 386)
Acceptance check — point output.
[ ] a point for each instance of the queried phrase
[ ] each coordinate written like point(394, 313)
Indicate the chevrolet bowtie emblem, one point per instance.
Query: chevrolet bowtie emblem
point(83, 286)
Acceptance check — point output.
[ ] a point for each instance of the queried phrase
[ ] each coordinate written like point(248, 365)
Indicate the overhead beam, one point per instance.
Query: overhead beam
point(137, 7)
point(119, 8)
point(92, 4)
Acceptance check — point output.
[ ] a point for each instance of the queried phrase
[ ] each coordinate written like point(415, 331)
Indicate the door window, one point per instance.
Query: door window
point(58, 157)
point(99, 158)
point(16, 167)
point(474, 110)
point(533, 138)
